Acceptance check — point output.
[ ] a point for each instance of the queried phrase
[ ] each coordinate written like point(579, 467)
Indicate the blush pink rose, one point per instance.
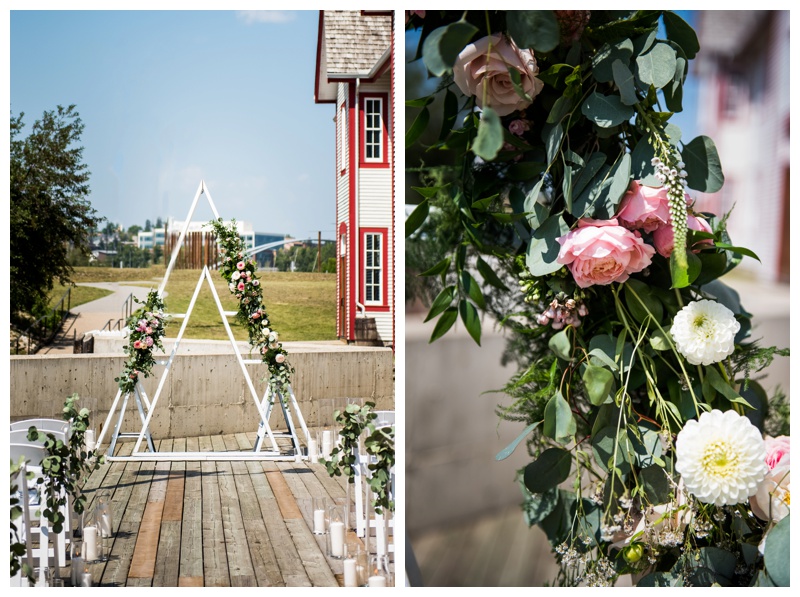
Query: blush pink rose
point(644, 207)
point(664, 237)
point(240, 286)
point(602, 252)
point(518, 127)
point(772, 498)
point(777, 450)
point(481, 69)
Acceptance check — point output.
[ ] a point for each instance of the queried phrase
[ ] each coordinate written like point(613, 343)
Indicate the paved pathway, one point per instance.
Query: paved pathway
point(94, 314)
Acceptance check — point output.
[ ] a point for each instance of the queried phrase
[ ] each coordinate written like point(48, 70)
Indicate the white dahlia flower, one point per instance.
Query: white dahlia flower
point(704, 331)
point(721, 458)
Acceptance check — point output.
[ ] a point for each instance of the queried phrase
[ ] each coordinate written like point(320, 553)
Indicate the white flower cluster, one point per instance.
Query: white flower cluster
point(675, 179)
point(704, 332)
point(721, 458)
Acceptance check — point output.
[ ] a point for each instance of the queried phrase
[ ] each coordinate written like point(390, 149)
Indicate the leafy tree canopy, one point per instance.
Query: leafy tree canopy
point(50, 211)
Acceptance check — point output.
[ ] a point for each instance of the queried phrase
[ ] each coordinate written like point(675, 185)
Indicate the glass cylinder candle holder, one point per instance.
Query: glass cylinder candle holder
point(92, 543)
point(379, 573)
point(75, 564)
point(319, 507)
point(103, 515)
point(336, 532)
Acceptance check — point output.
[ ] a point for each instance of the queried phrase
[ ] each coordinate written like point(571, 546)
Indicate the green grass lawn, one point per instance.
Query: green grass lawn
point(78, 296)
point(301, 306)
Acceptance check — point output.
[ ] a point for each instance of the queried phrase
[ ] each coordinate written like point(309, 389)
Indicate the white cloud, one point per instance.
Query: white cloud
point(265, 16)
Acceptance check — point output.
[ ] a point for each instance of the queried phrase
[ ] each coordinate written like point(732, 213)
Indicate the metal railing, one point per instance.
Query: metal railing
point(43, 330)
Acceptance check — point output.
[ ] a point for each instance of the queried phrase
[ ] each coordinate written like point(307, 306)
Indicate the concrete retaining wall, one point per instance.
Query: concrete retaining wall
point(204, 393)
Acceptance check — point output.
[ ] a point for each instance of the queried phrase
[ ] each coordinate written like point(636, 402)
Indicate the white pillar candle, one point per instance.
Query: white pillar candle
point(312, 449)
point(327, 444)
point(377, 581)
point(88, 439)
point(90, 543)
point(86, 579)
point(106, 524)
point(350, 573)
point(337, 539)
point(319, 522)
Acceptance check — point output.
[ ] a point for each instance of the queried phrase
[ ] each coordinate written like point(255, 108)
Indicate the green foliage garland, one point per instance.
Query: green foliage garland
point(17, 545)
point(240, 273)
point(146, 328)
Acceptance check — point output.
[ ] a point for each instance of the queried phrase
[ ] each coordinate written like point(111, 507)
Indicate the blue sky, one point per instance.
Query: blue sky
point(172, 97)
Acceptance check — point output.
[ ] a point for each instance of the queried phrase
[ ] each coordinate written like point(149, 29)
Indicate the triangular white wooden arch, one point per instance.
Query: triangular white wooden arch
point(264, 405)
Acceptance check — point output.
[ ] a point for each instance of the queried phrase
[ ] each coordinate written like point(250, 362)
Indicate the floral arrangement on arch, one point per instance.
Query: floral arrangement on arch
point(240, 273)
point(549, 169)
point(146, 328)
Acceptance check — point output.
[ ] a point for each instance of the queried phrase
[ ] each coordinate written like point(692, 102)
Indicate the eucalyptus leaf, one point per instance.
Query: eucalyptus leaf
point(623, 77)
point(657, 67)
point(441, 48)
point(704, 171)
point(490, 135)
point(560, 109)
point(599, 199)
point(584, 176)
point(536, 29)
point(606, 110)
point(542, 251)
point(561, 346)
point(537, 506)
point(599, 383)
point(721, 386)
point(605, 57)
point(546, 472)
point(559, 422)
point(776, 552)
point(681, 33)
point(656, 484)
point(509, 449)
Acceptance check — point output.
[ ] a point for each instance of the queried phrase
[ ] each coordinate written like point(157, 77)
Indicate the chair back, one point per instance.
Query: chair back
point(46, 425)
point(33, 453)
point(20, 436)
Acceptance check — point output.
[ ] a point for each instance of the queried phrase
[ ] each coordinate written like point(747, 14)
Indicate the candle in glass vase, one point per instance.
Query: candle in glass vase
point(76, 569)
point(312, 449)
point(377, 581)
point(327, 443)
point(337, 539)
point(319, 522)
point(88, 440)
point(86, 579)
point(90, 543)
point(350, 577)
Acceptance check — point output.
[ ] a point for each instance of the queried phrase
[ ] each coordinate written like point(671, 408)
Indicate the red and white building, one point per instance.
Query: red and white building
point(354, 72)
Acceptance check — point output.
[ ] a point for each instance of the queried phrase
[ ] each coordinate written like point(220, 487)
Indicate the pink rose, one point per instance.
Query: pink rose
point(518, 127)
point(256, 314)
point(480, 68)
point(240, 286)
point(664, 237)
point(137, 344)
point(602, 252)
point(149, 341)
point(280, 358)
point(644, 207)
point(240, 265)
point(777, 451)
point(772, 498)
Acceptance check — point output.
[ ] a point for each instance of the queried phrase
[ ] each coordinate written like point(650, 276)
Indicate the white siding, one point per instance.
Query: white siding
point(375, 197)
point(383, 321)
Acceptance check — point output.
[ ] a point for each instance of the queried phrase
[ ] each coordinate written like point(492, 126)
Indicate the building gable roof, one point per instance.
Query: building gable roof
point(351, 44)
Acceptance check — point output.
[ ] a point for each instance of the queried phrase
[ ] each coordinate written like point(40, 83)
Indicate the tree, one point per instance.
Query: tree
point(147, 225)
point(50, 212)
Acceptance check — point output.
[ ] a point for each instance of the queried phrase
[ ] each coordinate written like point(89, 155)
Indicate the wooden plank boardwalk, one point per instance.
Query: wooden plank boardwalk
point(214, 523)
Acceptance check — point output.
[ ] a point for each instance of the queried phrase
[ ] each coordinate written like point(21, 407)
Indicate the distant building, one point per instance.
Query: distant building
point(743, 75)
point(354, 72)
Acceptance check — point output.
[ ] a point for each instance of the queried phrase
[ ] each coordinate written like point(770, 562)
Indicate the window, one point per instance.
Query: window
point(373, 268)
point(373, 136)
point(373, 129)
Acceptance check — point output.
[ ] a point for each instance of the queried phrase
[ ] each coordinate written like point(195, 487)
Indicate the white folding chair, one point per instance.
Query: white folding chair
point(34, 453)
point(46, 425)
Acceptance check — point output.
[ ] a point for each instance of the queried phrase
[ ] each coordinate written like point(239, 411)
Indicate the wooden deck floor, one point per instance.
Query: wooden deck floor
point(214, 523)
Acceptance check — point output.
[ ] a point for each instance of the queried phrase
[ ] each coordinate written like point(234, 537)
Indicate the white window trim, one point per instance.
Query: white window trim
point(342, 137)
point(380, 129)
